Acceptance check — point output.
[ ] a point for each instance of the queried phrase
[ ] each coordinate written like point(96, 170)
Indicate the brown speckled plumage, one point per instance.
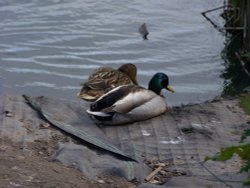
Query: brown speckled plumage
point(104, 79)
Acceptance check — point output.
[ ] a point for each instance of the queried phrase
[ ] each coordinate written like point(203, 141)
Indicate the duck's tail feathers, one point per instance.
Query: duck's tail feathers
point(100, 114)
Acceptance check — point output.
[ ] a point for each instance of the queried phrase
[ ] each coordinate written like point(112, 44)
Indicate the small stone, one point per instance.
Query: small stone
point(162, 172)
point(20, 157)
point(160, 164)
point(154, 181)
point(8, 114)
point(3, 148)
point(101, 181)
point(30, 178)
point(15, 184)
point(110, 181)
point(44, 125)
point(14, 168)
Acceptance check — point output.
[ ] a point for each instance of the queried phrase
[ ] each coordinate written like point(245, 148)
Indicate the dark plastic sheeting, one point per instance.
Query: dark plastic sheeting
point(183, 136)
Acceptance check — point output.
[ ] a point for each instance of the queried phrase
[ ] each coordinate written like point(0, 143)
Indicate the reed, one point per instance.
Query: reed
point(238, 14)
point(238, 20)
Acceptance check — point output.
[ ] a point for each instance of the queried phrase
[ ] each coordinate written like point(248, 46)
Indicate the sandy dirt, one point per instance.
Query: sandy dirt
point(32, 167)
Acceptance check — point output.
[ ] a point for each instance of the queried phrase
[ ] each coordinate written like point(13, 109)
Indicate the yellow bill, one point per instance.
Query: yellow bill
point(169, 88)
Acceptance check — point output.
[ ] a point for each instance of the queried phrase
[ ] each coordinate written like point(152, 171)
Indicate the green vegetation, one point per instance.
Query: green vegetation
point(242, 149)
point(241, 8)
point(245, 103)
point(237, 25)
point(236, 80)
point(237, 15)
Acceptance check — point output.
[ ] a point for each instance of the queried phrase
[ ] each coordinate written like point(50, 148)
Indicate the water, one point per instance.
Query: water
point(49, 47)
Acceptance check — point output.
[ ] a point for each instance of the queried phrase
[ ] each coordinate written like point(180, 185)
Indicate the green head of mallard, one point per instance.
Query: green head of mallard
point(158, 82)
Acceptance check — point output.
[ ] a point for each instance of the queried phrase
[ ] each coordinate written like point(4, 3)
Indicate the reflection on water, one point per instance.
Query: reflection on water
point(49, 47)
point(236, 80)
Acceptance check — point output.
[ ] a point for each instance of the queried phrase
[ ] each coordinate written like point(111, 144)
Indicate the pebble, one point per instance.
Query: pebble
point(20, 157)
point(44, 125)
point(8, 114)
point(101, 181)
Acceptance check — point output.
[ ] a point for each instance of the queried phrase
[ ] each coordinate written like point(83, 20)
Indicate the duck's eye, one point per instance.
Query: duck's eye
point(164, 83)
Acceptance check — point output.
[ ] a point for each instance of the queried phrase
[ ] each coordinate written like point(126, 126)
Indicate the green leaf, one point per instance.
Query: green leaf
point(214, 158)
point(245, 103)
point(226, 153)
point(244, 151)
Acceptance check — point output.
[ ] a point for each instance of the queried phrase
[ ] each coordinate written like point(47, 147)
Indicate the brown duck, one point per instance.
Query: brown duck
point(105, 79)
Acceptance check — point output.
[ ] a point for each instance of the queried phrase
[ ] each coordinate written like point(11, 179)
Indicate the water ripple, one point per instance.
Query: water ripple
point(66, 66)
point(40, 71)
point(55, 44)
point(48, 85)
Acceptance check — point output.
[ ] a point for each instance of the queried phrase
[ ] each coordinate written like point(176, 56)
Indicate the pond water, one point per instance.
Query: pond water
point(49, 47)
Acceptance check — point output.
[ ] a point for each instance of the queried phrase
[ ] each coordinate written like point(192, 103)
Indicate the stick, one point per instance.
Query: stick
point(211, 10)
point(242, 64)
point(152, 174)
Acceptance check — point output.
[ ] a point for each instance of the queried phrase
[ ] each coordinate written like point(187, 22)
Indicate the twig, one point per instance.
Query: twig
point(208, 19)
point(211, 10)
point(213, 24)
point(242, 64)
point(152, 174)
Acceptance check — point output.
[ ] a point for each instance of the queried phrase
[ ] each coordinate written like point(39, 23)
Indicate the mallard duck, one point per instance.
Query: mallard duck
point(131, 103)
point(105, 79)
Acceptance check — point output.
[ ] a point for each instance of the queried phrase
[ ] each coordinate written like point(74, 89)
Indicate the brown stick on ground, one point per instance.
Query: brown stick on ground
point(152, 174)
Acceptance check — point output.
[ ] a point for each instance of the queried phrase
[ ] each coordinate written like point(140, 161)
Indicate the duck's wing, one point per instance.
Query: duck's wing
point(91, 91)
point(133, 100)
point(101, 81)
point(106, 78)
point(123, 99)
point(98, 79)
point(96, 85)
point(99, 114)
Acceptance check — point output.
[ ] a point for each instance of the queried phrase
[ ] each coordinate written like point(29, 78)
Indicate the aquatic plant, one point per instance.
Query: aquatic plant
point(238, 15)
point(236, 80)
point(237, 52)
